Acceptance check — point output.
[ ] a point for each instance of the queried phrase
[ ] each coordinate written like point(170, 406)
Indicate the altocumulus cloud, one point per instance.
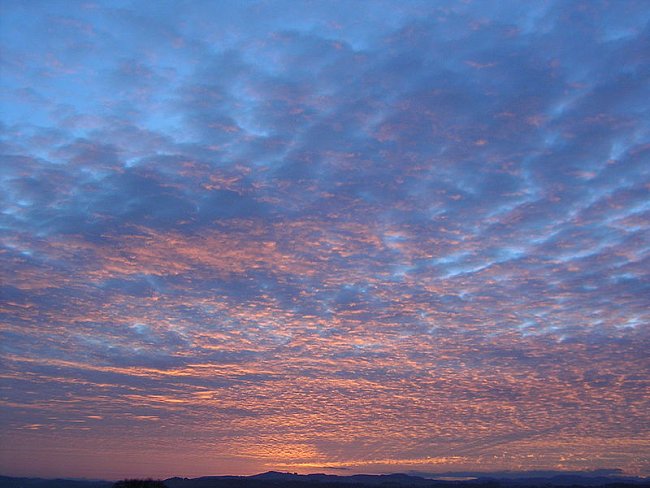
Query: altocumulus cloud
point(379, 236)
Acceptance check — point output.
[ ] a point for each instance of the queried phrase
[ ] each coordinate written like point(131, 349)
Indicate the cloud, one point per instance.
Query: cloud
point(336, 237)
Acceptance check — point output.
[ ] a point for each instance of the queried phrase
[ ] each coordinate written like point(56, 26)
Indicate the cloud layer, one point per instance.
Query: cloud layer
point(382, 236)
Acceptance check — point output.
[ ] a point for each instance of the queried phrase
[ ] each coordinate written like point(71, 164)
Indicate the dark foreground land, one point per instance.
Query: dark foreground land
point(288, 480)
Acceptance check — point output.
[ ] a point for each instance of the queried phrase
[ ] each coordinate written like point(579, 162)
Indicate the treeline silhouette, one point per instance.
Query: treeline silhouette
point(136, 483)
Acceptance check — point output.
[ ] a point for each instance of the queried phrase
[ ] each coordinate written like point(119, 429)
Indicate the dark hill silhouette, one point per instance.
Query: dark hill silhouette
point(274, 479)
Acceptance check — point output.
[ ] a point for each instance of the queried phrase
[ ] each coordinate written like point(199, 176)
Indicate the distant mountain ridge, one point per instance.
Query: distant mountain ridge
point(11, 482)
point(276, 479)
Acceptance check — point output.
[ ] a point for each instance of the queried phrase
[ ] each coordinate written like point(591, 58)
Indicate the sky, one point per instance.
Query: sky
point(324, 236)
